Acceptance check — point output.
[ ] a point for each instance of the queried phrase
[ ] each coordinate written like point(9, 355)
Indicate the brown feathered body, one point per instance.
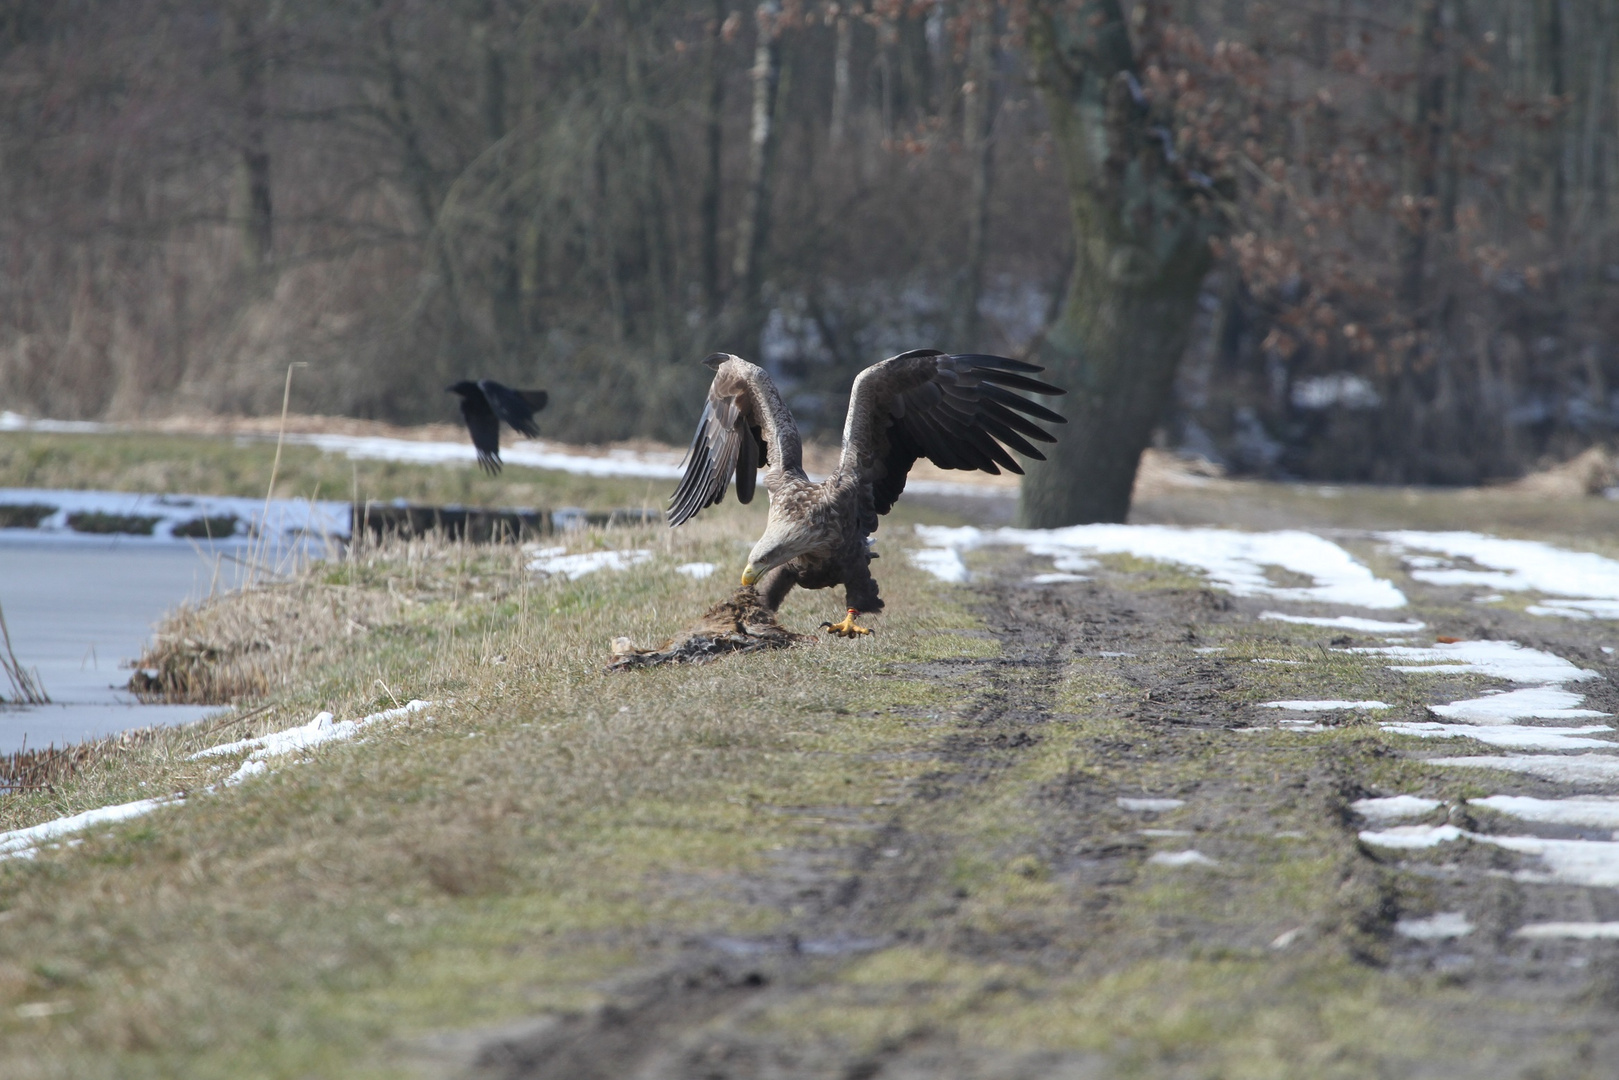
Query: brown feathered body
point(956, 411)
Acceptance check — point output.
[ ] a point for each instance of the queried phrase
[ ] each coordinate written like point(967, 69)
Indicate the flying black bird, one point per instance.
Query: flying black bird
point(485, 403)
point(956, 411)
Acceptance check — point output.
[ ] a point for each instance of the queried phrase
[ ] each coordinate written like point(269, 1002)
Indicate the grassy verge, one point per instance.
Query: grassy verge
point(496, 859)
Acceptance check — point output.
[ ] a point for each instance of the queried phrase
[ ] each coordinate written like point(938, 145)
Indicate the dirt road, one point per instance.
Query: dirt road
point(1177, 886)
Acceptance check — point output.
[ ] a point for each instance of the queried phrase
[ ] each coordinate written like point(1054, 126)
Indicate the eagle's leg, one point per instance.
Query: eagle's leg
point(847, 627)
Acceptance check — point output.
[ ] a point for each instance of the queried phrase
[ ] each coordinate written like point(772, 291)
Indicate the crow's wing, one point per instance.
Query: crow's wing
point(956, 411)
point(744, 423)
point(512, 406)
point(484, 429)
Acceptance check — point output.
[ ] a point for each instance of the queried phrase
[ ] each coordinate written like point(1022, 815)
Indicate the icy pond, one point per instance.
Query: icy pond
point(81, 605)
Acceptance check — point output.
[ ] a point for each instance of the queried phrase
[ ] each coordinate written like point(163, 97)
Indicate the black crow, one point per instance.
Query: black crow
point(485, 403)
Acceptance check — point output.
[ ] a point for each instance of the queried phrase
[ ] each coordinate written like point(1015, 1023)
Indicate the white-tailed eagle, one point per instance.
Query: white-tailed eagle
point(959, 412)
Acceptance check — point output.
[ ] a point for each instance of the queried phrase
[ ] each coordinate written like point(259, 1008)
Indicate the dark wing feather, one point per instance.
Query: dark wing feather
point(484, 428)
point(744, 425)
point(959, 412)
point(511, 406)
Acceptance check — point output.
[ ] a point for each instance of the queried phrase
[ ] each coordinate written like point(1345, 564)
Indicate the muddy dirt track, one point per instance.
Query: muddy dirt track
point(1246, 932)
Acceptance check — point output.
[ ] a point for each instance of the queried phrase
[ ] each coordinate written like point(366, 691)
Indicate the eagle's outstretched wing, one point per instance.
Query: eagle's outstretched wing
point(956, 411)
point(516, 407)
point(744, 425)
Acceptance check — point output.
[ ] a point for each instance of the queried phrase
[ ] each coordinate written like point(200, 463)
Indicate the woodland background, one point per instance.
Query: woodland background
point(1416, 282)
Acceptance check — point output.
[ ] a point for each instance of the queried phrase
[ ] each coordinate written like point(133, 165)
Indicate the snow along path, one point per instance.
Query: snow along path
point(558, 457)
point(1234, 561)
point(1572, 862)
point(22, 843)
point(1585, 585)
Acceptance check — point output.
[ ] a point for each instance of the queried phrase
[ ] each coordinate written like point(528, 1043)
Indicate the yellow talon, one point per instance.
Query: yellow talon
point(847, 627)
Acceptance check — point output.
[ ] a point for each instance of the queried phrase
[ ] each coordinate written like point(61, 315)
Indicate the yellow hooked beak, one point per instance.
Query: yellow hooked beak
point(749, 574)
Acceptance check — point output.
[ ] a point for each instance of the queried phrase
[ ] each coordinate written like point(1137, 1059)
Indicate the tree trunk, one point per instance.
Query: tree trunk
point(506, 293)
point(254, 211)
point(840, 79)
point(714, 137)
point(982, 100)
point(753, 231)
point(1141, 240)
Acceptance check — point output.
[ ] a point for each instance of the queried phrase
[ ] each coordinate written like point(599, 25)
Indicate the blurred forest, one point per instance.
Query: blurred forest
point(1417, 280)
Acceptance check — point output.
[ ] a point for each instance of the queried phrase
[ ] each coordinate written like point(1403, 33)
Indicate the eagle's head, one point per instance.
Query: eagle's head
point(786, 538)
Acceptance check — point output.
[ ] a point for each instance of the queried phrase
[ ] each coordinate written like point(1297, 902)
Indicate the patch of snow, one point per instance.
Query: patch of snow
point(1267, 660)
point(1325, 706)
point(1348, 622)
point(1341, 389)
point(555, 560)
point(1439, 927)
point(1235, 561)
point(1117, 655)
point(322, 729)
point(1569, 768)
point(1501, 659)
point(1594, 811)
point(1514, 738)
point(1586, 584)
point(1537, 703)
point(1394, 807)
point(1209, 650)
point(537, 454)
point(1579, 931)
point(1573, 862)
point(1412, 837)
point(943, 563)
point(697, 570)
point(1056, 579)
point(10, 421)
point(21, 843)
point(1180, 858)
point(1149, 805)
point(247, 771)
point(1283, 940)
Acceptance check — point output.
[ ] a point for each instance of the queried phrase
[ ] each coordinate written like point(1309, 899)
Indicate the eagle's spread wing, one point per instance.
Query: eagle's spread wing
point(744, 424)
point(956, 411)
point(485, 430)
point(516, 407)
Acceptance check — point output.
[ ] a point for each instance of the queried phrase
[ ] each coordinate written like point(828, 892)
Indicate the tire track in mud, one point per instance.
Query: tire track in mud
point(685, 1019)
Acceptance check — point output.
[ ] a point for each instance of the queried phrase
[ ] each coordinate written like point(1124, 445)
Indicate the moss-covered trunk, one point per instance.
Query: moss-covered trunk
point(1142, 224)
